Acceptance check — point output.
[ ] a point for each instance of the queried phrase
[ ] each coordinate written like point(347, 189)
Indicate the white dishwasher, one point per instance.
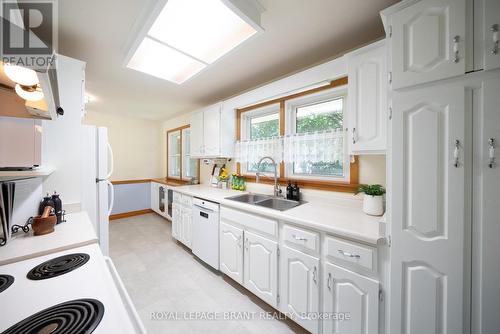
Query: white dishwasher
point(205, 243)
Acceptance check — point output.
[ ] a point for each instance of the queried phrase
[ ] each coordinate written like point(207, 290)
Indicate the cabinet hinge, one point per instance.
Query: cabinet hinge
point(390, 113)
point(389, 240)
point(380, 295)
point(389, 77)
point(390, 31)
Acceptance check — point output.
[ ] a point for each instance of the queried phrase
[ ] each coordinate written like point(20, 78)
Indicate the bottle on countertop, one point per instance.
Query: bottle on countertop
point(296, 192)
point(289, 190)
point(58, 207)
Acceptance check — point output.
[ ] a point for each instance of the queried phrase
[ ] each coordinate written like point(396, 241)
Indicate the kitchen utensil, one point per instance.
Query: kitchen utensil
point(47, 201)
point(58, 207)
point(45, 223)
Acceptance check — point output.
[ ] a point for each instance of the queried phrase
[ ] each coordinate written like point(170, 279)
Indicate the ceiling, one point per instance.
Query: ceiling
point(297, 34)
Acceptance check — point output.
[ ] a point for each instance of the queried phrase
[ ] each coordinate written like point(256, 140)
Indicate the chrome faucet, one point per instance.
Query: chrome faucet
point(277, 189)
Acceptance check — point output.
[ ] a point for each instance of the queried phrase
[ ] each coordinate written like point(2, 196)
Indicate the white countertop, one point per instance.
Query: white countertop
point(337, 216)
point(75, 232)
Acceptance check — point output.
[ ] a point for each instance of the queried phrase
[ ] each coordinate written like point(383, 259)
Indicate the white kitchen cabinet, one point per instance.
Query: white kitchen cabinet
point(261, 267)
point(367, 94)
point(427, 41)
point(187, 230)
point(491, 34)
point(182, 218)
point(176, 221)
point(213, 132)
point(350, 294)
point(431, 159)
point(154, 197)
point(231, 251)
point(300, 287)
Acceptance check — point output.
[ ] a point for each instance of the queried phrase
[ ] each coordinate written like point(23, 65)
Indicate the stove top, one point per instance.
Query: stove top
point(80, 316)
point(5, 282)
point(58, 266)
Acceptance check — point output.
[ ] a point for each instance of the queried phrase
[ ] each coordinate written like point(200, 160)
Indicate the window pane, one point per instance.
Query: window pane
point(265, 167)
point(174, 142)
point(189, 165)
point(174, 166)
point(265, 126)
point(320, 116)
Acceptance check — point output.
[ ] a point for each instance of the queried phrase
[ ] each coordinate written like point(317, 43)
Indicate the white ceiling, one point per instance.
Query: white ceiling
point(298, 34)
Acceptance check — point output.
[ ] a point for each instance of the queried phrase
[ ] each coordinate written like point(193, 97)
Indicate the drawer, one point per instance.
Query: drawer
point(266, 225)
point(186, 200)
point(177, 197)
point(304, 238)
point(352, 252)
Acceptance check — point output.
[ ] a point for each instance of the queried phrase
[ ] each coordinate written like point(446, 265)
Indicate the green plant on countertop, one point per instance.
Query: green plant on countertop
point(371, 189)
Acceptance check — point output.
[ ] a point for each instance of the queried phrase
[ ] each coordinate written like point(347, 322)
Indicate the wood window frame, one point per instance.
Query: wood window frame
point(340, 186)
point(180, 178)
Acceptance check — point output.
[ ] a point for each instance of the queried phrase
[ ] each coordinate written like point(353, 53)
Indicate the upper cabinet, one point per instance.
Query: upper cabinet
point(427, 41)
point(490, 33)
point(367, 94)
point(213, 132)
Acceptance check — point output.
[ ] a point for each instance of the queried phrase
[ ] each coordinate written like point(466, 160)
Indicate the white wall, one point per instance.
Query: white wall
point(136, 145)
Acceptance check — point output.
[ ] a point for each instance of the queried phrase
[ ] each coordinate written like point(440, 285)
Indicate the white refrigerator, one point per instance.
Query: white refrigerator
point(97, 190)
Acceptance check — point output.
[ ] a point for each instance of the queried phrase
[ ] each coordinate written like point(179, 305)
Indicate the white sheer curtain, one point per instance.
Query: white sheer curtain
point(313, 147)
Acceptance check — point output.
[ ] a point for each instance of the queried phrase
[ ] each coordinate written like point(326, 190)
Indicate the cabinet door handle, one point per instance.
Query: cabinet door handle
point(246, 243)
point(354, 135)
point(456, 154)
point(494, 35)
point(491, 153)
point(329, 282)
point(355, 256)
point(239, 242)
point(315, 274)
point(456, 40)
point(298, 238)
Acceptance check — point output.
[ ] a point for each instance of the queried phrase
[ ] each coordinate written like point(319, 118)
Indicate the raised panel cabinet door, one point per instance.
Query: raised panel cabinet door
point(348, 294)
point(187, 231)
point(261, 267)
point(154, 197)
point(299, 287)
point(196, 134)
point(491, 34)
point(212, 130)
point(367, 94)
point(428, 215)
point(176, 221)
point(428, 42)
point(231, 251)
point(486, 212)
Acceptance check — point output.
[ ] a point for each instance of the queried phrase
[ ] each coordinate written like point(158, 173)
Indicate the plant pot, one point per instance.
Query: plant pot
point(373, 205)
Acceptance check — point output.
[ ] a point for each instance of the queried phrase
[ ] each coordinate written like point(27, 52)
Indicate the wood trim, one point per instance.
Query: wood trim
point(350, 186)
point(129, 214)
point(130, 181)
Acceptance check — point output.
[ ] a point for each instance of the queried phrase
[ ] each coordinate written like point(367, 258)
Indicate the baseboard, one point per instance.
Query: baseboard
point(129, 214)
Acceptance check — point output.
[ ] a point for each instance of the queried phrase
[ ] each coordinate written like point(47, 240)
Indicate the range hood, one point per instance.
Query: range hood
point(49, 107)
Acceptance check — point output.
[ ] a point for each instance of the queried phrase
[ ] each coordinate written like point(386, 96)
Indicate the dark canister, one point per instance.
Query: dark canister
point(58, 207)
point(47, 201)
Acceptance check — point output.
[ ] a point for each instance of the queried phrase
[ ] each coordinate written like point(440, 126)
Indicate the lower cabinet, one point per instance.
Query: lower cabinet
point(186, 230)
point(176, 221)
point(261, 267)
point(231, 251)
point(299, 287)
point(346, 293)
point(182, 217)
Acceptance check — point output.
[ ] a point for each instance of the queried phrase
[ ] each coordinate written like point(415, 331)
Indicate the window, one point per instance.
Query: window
point(308, 130)
point(180, 165)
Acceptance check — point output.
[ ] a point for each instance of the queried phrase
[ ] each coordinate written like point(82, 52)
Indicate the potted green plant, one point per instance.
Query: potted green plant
point(373, 200)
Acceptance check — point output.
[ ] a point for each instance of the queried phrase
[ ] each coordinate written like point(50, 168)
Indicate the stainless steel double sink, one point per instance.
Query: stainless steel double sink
point(266, 201)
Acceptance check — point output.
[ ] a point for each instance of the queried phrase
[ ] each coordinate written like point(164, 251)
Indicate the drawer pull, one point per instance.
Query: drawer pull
point(329, 281)
point(356, 256)
point(298, 238)
point(315, 273)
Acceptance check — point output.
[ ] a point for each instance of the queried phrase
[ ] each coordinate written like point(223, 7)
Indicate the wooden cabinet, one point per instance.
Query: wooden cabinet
point(261, 267)
point(300, 287)
point(491, 34)
point(430, 161)
point(427, 41)
point(367, 94)
point(213, 132)
point(347, 293)
point(231, 251)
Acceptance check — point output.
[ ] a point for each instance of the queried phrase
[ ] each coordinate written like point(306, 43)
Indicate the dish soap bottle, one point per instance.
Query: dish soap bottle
point(296, 192)
point(289, 190)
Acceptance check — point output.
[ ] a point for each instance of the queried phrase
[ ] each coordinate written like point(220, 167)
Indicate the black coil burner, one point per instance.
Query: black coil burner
point(80, 316)
point(5, 282)
point(58, 266)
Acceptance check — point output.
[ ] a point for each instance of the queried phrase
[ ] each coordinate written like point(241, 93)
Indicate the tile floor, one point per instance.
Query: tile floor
point(163, 277)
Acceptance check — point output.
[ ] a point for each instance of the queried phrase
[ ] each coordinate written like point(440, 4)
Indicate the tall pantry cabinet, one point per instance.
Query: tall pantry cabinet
point(444, 181)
